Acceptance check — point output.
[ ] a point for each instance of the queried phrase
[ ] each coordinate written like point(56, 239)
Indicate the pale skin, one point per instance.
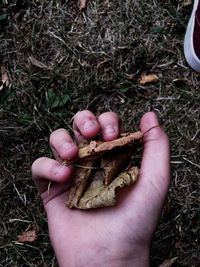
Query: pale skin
point(117, 236)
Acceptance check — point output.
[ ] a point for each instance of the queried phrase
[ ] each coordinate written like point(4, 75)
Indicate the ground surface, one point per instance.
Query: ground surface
point(93, 60)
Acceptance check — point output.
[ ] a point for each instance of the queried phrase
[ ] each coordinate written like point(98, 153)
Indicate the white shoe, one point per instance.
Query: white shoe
point(192, 38)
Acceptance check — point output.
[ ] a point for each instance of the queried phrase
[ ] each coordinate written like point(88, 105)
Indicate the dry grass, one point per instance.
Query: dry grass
point(92, 60)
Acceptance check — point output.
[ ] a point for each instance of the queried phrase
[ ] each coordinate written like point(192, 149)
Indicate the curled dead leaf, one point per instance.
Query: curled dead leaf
point(30, 234)
point(97, 148)
point(27, 236)
point(97, 195)
point(150, 78)
point(102, 168)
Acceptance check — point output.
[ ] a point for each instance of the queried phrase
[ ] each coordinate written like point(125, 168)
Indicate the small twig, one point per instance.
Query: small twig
point(18, 220)
point(85, 167)
point(151, 128)
point(192, 163)
point(48, 189)
point(65, 163)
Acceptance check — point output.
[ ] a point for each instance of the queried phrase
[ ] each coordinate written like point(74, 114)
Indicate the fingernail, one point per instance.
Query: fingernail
point(67, 145)
point(58, 170)
point(89, 124)
point(109, 130)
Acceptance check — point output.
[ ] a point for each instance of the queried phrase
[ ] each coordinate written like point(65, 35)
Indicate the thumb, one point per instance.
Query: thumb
point(147, 197)
point(155, 166)
point(51, 178)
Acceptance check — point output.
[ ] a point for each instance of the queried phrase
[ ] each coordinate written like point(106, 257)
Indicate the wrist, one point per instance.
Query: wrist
point(109, 258)
point(137, 258)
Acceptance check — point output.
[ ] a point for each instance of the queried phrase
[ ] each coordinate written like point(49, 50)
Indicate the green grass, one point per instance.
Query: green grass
point(99, 54)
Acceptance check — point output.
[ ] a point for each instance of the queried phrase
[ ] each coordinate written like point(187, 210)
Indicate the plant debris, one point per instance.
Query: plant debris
point(103, 167)
point(150, 78)
point(187, 3)
point(39, 64)
point(82, 4)
point(29, 235)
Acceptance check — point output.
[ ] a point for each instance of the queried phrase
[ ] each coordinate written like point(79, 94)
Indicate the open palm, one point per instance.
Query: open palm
point(114, 236)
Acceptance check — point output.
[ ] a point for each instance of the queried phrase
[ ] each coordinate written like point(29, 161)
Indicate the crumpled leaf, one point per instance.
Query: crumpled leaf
point(150, 78)
point(169, 262)
point(102, 167)
point(112, 165)
point(97, 195)
point(97, 148)
point(27, 236)
point(80, 182)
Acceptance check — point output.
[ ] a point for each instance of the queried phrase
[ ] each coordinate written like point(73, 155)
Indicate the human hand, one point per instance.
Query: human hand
point(114, 236)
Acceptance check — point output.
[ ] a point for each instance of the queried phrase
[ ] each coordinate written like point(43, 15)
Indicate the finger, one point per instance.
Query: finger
point(155, 167)
point(45, 170)
point(152, 186)
point(62, 145)
point(149, 193)
point(110, 124)
point(85, 125)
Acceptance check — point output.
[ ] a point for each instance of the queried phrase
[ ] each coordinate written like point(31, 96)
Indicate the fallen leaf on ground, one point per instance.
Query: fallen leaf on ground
point(169, 262)
point(102, 168)
point(82, 4)
point(27, 236)
point(150, 78)
point(39, 64)
point(187, 2)
point(4, 79)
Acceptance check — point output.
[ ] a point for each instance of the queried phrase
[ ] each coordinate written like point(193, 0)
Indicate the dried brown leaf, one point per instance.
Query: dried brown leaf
point(97, 195)
point(169, 262)
point(82, 4)
point(187, 2)
point(97, 171)
point(82, 175)
point(111, 166)
point(39, 64)
point(27, 236)
point(150, 78)
point(96, 148)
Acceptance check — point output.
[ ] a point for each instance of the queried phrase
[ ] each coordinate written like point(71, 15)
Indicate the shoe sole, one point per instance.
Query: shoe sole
point(189, 52)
